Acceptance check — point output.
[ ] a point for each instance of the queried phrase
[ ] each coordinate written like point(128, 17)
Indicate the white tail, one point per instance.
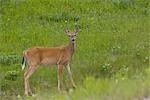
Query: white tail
point(23, 63)
point(59, 56)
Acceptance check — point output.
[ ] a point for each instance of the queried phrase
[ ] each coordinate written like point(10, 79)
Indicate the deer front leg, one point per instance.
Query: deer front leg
point(70, 75)
point(60, 68)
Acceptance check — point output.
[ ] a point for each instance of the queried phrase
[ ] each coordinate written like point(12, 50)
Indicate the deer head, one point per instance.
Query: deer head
point(72, 35)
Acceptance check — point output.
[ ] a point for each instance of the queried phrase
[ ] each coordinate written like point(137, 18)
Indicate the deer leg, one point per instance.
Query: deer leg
point(26, 78)
point(60, 68)
point(27, 89)
point(25, 81)
point(70, 75)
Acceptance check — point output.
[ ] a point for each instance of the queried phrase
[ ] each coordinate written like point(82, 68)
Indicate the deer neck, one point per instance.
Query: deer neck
point(71, 47)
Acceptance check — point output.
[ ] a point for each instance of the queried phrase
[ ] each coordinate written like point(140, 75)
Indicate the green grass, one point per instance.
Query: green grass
point(113, 45)
point(102, 89)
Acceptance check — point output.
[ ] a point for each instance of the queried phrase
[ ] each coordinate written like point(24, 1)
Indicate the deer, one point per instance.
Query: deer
point(60, 56)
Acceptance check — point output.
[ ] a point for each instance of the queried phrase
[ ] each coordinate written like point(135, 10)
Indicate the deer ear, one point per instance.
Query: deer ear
point(77, 30)
point(66, 30)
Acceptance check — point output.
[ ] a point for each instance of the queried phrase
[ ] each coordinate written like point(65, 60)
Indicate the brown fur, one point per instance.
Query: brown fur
point(47, 56)
point(59, 56)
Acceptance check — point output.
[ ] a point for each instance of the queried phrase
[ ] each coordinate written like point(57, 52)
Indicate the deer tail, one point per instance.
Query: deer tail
point(23, 64)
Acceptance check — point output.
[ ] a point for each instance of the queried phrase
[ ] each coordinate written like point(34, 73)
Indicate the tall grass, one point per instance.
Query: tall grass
point(113, 44)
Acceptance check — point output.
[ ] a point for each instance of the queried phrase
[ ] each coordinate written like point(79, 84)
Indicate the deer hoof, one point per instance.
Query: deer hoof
point(74, 86)
point(26, 94)
point(33, 95)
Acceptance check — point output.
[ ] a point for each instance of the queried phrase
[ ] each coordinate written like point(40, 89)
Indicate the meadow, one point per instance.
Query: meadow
point(111, 60)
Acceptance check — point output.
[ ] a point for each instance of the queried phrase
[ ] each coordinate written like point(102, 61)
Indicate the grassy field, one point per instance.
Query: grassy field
point(111, 61)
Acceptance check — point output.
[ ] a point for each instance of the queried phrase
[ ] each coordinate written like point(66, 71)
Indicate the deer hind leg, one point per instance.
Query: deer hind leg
point(59, 72)
point(25, 81)
point(70, 75)
point(27, 75)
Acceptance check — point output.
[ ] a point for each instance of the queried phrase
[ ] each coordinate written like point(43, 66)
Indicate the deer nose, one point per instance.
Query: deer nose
point(73, 39)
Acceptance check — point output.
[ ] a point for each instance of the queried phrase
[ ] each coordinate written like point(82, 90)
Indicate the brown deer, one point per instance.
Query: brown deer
point(60, 56)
